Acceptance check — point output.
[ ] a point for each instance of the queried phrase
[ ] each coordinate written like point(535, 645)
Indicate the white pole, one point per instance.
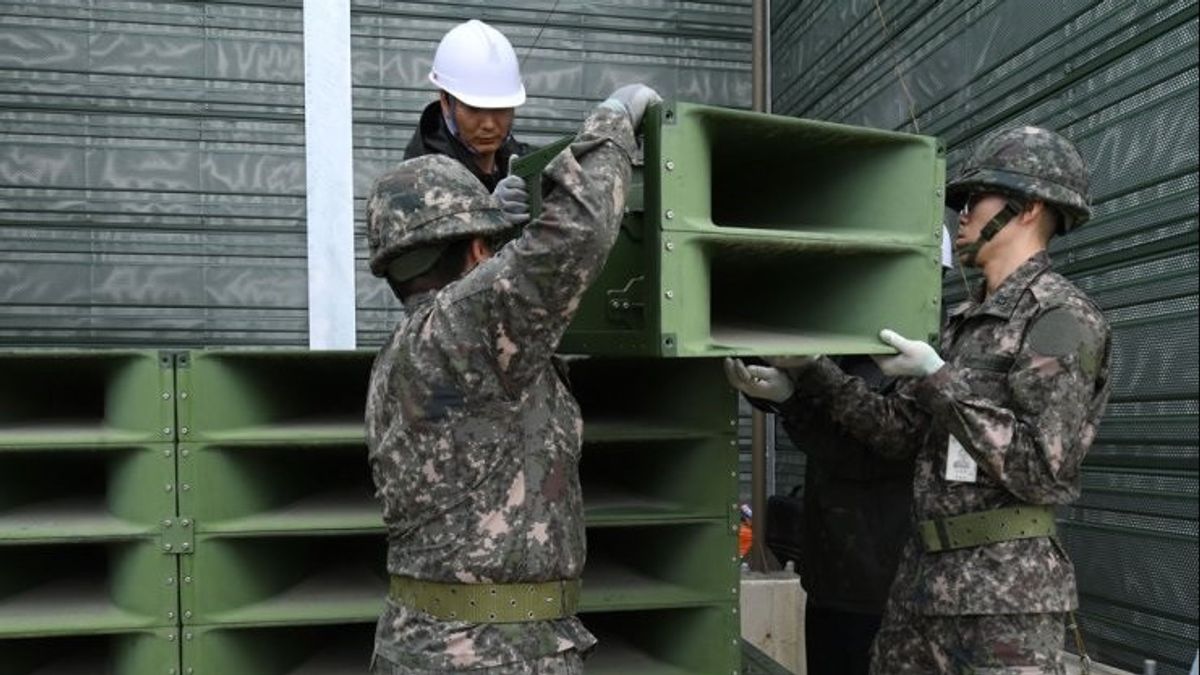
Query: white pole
point(329, 174)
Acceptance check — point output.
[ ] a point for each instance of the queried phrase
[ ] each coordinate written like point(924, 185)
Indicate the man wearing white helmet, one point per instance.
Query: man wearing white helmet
point(479, 76)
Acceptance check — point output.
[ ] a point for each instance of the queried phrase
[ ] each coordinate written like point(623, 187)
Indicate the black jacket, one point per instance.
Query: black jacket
point(433, 137)
point(856, 506)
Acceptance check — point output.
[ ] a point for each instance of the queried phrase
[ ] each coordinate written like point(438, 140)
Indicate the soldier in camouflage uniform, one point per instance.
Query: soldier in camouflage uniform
point(999, 429)
point(473, 437)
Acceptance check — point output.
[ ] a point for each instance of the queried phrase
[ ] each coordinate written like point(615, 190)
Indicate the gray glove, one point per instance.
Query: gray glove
point(632, 99)
point(514, 200)
point(771, 384)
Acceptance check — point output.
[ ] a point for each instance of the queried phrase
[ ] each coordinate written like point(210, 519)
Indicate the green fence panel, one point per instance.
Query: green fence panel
point(756, 231)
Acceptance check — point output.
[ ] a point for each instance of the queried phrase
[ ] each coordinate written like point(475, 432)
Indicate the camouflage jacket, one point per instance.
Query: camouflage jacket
point(473, 439)
point(1024, 385)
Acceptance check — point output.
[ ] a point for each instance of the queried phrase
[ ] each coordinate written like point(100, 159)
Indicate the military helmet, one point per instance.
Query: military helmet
point(423, 204)
point(1028, 162)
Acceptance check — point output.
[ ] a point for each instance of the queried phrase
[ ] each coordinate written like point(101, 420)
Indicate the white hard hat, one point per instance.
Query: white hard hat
point(476, 64)
point(947, 249)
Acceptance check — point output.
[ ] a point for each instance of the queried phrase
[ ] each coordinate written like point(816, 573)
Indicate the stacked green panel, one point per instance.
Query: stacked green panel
point(286, 570)
point(752, 234)
point(660, 489)
point(87, 498)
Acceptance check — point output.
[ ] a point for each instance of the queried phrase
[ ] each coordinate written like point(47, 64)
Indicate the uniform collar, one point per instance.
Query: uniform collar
point(418, 300)
point(1004, 301)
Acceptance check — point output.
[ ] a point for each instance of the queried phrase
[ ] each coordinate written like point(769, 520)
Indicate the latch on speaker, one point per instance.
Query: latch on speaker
point(627, 305)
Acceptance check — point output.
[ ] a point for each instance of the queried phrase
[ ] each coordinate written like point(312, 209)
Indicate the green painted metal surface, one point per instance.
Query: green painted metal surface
point(67, 398)
point(128, 653)
point(273, 397)
point(251, 542)
point(752, 234)
point(87, 481)
point(66, 495)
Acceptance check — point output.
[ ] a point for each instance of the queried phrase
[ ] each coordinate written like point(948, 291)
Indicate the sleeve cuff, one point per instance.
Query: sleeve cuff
point(816, 379)
point(607, 124)
point(935, 391)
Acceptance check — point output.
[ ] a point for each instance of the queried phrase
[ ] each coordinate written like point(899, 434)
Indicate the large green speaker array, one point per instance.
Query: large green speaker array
point(87, 498)
point(249, 543)
point(286, 571)
point(754, 234)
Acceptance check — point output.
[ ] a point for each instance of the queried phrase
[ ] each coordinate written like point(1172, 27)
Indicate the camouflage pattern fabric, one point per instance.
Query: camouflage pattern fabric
point(473, 438)
point(1024, 406)
point(1027, 162)
point(998, 644)
point(565, 663)
point(424, 201)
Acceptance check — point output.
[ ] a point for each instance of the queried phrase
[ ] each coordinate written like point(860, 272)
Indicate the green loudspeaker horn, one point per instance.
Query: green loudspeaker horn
point(755, 234)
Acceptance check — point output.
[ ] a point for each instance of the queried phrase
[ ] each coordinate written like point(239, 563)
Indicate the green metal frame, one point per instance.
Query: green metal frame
point(250, 542)
point(53, 398)
point(751, 234)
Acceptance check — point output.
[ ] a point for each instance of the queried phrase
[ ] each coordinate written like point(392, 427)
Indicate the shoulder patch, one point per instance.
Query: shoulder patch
point(1056, 333)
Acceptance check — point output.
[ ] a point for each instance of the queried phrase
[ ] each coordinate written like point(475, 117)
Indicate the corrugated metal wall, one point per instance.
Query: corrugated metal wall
point(1120, 79)
point(152, 153)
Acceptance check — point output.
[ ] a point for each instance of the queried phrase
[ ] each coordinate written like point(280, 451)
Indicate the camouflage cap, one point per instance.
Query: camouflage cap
point(423, 202)
point(1027, 162)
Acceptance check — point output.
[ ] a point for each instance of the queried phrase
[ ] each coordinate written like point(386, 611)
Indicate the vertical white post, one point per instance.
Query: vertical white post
point(329, 174)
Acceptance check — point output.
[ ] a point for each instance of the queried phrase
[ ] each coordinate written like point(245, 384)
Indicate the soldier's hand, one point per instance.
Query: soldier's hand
point(632, 99)
point(765, 382)
point(514, 200)
point(915, 358)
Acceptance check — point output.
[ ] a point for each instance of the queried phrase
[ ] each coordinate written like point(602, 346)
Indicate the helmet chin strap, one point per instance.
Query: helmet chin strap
point(1012, 208)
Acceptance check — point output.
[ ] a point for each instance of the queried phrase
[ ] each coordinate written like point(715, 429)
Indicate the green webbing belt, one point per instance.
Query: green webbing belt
point(487, 603)
point(987, 527)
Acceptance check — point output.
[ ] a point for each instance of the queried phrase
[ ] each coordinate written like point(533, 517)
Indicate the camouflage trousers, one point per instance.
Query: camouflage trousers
point(563, 663)
point(1000, 644)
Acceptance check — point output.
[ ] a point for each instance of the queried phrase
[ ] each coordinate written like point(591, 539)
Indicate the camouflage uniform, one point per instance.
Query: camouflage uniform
point(473, 439)
point(1024, 385)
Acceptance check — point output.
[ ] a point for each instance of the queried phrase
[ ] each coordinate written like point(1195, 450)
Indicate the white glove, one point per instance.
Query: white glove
point(514, 200)
point(916, 358)
point(632, 99)
point(765, 382)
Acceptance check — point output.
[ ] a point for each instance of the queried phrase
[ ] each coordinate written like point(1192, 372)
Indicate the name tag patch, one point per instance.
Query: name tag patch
point(960, 466)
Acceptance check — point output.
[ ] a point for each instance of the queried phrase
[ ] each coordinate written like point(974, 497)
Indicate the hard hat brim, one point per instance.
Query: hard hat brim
point(512, 100)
